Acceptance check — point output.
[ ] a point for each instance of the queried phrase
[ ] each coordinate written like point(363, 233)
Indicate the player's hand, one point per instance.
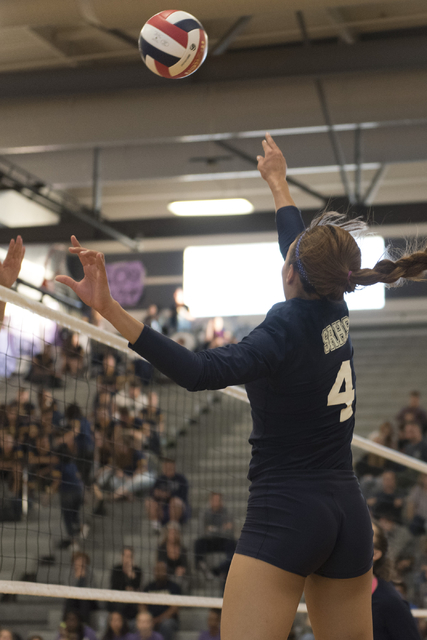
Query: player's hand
point(272, 165)
point(11, 266)
point(93, 290)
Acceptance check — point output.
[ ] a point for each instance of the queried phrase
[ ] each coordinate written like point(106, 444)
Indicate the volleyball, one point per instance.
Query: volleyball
point(173, 44)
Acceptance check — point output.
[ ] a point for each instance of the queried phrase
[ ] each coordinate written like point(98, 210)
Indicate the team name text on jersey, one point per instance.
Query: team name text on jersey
point(335, 335)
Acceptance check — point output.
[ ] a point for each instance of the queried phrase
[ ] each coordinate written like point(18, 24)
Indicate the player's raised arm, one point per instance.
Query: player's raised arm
point(10, 267)
point(272, 167)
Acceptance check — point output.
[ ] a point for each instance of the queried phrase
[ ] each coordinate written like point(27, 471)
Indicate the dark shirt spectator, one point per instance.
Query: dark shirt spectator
point(81, 577)
point(217, 534)
point(413, 412)
point(416, 445)
point(387, 494)
point(43, 369)
point(169, 497)
point(125, 576)
point(165, 618)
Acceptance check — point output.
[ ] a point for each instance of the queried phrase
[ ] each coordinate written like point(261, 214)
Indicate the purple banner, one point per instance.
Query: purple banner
point(126, 280)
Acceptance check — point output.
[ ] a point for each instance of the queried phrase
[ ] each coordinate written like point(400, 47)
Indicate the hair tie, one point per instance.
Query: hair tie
point(348, 277)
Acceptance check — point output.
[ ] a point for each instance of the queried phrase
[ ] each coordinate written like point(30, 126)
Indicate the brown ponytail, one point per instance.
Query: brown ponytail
point(328, 259)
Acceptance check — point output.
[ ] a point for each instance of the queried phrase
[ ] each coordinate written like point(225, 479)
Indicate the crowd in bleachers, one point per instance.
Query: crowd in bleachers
point(113, 451)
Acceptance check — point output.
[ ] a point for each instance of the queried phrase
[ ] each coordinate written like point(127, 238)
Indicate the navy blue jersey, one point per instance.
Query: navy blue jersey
point(298, 371)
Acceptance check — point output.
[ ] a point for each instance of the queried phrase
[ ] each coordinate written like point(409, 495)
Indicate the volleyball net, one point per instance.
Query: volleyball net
point(114, 480)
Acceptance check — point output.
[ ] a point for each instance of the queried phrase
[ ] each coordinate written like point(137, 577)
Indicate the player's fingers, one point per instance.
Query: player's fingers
point(75, 242)
point(67, 281)
point(266, 146)
point(270, 141)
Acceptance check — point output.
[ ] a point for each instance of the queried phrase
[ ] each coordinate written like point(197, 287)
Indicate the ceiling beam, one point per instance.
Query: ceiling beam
point(230, 36)
point(322, 59)
point(386, 214)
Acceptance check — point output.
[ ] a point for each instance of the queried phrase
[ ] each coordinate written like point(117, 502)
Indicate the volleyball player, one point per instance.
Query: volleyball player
point(10, 268)
point(307, 526)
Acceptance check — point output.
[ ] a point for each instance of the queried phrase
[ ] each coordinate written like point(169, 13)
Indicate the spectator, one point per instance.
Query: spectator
point(153, 414)
point(80, 577)
point(169, 497)
point(42, 464)
point(152, 318)
point(125, 576)
point(214, 623)
point(104, 400)
point(416, 509)
point(103, 422)
point(405, 572)
point(148, 440)
point(399, 539)
point(73, 355)
point(416, 445)
point(70, 492)
point(132, 398)
point(83, 440)
point(117, 628)
point(145, 628)
point(215, 334)
point(73, 628)
point(180, 316)
point(371, 464)
point(126, 473)
point(109, 379)
point(42, 369)
point(217, 533)
point(172, 552)
point(165, 618)
point(413, 412)
point(387, 494)
point(10, 463)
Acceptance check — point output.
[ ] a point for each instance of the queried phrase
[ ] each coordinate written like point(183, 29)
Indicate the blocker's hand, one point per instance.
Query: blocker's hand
point(93, 290)
point(11, 266)
point(272, 166)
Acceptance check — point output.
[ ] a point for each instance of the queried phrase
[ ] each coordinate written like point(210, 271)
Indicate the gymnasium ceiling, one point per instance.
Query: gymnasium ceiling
point(73, 88)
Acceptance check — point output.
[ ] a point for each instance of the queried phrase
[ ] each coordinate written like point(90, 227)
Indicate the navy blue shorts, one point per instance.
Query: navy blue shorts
point(309, 522)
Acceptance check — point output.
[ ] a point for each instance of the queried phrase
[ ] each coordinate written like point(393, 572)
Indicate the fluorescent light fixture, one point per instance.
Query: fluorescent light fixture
point(246, 279)
point(18, 211)
point(220, 207)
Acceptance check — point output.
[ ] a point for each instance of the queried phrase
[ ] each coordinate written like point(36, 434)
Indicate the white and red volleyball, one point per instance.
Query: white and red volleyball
point(173, 44)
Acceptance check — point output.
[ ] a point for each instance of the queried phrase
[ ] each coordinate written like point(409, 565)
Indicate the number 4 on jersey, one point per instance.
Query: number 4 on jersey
point(345, 396)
